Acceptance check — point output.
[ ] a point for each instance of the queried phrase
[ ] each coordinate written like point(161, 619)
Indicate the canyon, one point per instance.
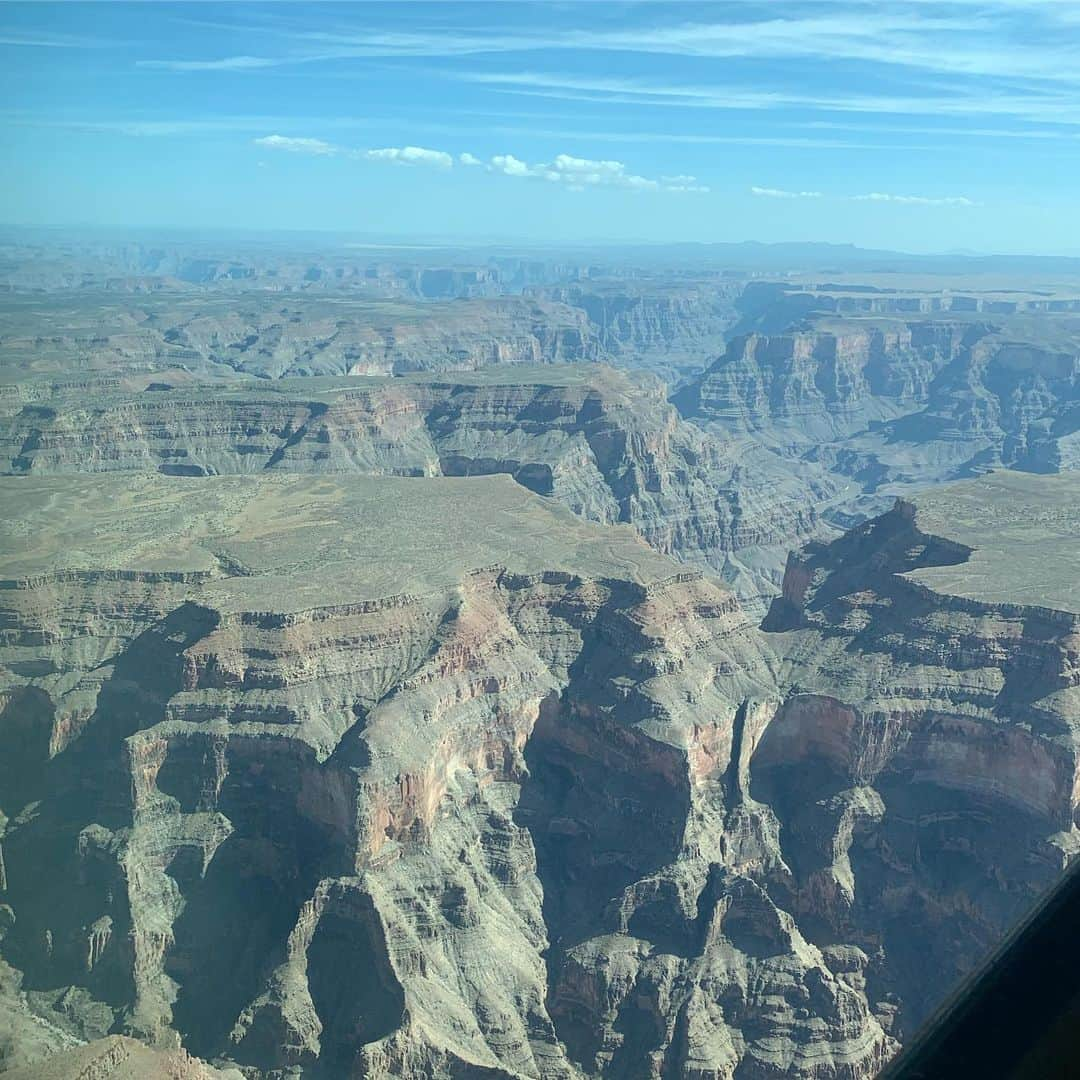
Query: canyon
point(894, 404)
point(552, 799)
point(788, 434)
point(578, 665)
point(602, 442)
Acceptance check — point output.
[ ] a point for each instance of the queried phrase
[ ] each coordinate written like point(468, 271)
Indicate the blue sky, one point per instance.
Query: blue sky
point(916, 125)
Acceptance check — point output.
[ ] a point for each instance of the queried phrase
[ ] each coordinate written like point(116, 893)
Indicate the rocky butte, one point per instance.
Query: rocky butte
point(338, 775)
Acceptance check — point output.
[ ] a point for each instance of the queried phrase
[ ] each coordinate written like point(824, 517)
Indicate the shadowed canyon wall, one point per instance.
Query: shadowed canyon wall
point(328, 798)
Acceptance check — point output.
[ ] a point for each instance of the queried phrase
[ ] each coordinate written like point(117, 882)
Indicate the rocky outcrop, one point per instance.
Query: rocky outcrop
point(895, 405)
point(416, 777)
point(367, 796)
point(603, 443)
point(926, 758)
point(818, 385)
point(119, 1058)
point(671, 330)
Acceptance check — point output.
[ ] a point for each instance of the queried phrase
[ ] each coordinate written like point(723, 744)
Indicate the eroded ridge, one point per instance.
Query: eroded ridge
point(601, 442)
point(925, 759)
point(429, 777)
point(371, 803)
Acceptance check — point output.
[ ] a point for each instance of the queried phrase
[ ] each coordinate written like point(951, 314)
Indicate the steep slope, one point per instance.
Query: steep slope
point(925, 760)
point(895, 404)
point(341, 779)
point(603, 443)
point(429, 777)
point(671, 329)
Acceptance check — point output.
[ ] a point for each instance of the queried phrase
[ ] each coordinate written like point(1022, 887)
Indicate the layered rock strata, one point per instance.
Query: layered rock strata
point(671, 330)
point(926, 759)
point(340, 780)
point(429, 777)
point(274, 336)
point(894, 405)
point(603, 443)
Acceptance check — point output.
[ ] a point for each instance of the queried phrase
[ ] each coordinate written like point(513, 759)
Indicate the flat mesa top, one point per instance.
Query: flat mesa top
point(1037, 330)
point(588, 376)
point(556, 375)
point(1025, 534)
point(291, 543)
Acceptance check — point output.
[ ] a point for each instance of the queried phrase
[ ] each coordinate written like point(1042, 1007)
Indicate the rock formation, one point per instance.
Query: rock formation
point(429, 777)
point(272, 335)
point(898, 404)
point(603, 443)
point(673, 330)
point(273, 733)
point(120, 1058)
point(371, 703)
point(927, 756)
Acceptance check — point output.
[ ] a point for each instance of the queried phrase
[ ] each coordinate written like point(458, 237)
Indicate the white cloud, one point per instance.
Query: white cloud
point(914, 200)
point(873, 196)
point(227, 63)
point(510, 165)
point(579, 173)
point(298, 146)
point(410, 155)
point(780, 193)
point(592, 173)
point(683, 182)
point(576, 173)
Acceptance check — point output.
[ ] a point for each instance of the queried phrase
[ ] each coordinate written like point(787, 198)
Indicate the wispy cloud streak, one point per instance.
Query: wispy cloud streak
point(869, 197)
point(994, 39)
point(780, 193)
point(1040, 106)
point(227, 63)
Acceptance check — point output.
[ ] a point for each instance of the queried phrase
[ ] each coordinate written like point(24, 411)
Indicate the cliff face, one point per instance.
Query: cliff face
point(604, 444)
point(461, 816)
point(893, 404)
point(429, 777)
point(826, 384)
point(273, 336)
point(926, 756)
point(772, 306)
point(673, 331)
